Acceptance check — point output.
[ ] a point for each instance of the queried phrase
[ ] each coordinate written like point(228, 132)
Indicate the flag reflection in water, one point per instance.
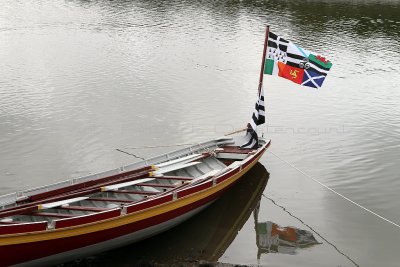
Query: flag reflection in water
point(272, 238)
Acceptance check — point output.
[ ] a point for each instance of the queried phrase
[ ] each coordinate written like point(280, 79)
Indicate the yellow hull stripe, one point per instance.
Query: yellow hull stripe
point(122, 220)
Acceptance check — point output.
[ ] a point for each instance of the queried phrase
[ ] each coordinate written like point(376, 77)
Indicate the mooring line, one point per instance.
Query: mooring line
point(333, 191)
point(138, 157)
point(312, 229)
point(157, 146)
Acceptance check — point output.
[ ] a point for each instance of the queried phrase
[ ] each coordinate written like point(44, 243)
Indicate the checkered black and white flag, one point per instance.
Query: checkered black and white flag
point(257, 118)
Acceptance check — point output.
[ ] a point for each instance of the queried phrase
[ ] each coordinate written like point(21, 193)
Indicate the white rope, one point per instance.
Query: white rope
point(312, 229)
point(333, 191)
point(158, 146)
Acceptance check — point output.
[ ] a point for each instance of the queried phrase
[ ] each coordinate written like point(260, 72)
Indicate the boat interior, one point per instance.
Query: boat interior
point(114, 192)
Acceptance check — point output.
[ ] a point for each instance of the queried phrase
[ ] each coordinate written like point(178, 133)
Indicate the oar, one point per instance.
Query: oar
point(236, 131)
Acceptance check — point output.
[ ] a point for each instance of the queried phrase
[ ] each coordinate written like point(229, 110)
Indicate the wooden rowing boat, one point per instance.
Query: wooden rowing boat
point(91, 214)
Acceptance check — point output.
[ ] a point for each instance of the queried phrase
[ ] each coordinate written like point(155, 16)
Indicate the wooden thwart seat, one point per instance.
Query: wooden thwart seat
point(106, 199)
point(235, 150)
point(134, 192)
point(60, 203)
point(52, 215)
point(174, 167)
point(182, 160)
point(207, 175)
point(158, 185)
point(126, 184)
point(179, 178)
point(84, 208)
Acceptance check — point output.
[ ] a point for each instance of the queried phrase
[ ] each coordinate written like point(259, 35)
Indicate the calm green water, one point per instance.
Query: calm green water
point(81, 78)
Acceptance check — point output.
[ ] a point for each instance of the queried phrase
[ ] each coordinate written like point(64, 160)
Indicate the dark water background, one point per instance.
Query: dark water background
point(81, 78)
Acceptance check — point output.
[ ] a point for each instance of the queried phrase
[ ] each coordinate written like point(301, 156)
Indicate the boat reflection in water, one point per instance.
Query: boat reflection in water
point(205, 237)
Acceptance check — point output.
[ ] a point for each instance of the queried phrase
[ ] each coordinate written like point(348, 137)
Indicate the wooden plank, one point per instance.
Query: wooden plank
point(205, 176)
point(178, 178)
point(134, 192)
point(105, 199)
point(55, 215)
point(84, 208)
point(174, 167)
point(158, 185)
point(117, 186)
point(236, 150)
point(180, 161)
point(60, 203)
point(232, 156)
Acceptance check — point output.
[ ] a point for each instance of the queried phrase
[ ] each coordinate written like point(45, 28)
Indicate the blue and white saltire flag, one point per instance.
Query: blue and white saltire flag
point(257, 118)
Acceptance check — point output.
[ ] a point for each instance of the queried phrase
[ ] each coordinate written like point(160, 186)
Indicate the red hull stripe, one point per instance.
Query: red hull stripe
point(22, 228)
point(150, 203)
point(227, 175)
point(87, 219)
point(194, 189)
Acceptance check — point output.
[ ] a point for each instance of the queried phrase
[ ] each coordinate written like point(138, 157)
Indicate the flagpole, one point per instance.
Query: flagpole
point(263, 59)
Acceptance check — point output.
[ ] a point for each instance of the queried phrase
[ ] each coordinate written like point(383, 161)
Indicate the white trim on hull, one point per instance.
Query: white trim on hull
point(113, 243)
